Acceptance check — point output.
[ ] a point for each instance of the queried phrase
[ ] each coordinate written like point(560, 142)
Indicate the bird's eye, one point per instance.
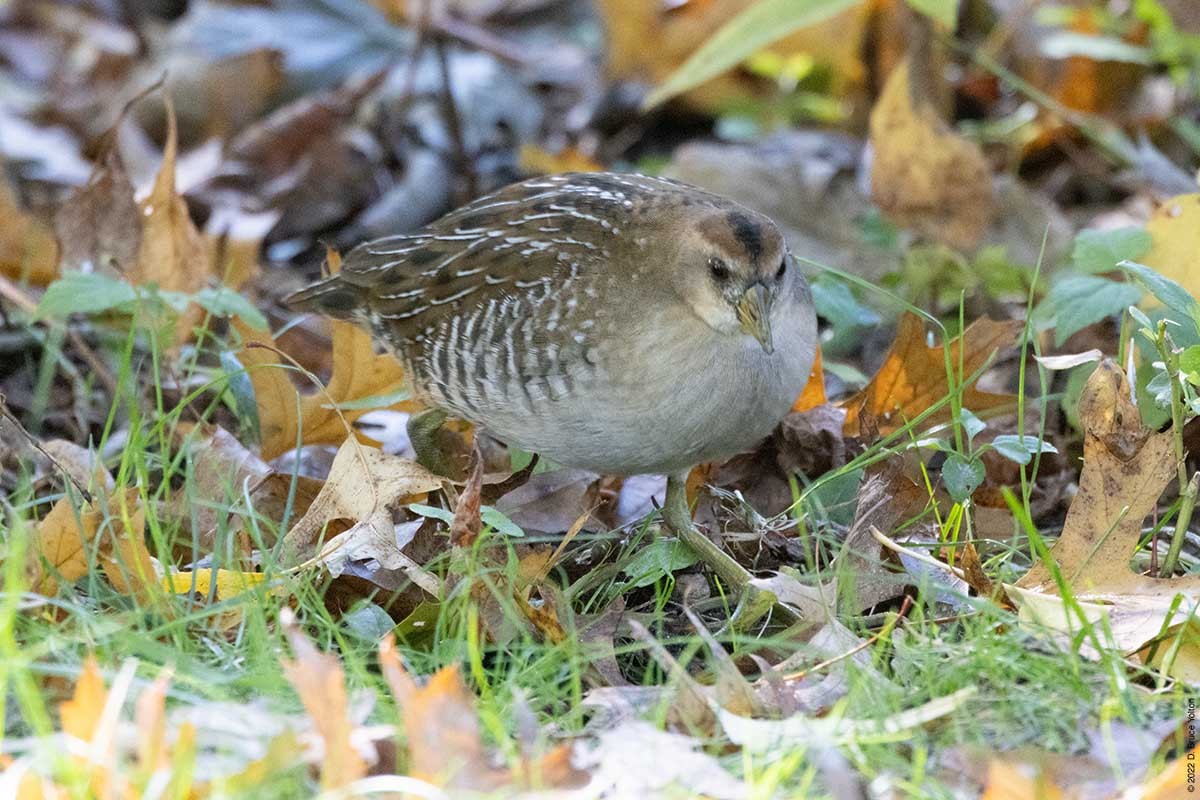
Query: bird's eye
point(782, 269)
point(718, 269)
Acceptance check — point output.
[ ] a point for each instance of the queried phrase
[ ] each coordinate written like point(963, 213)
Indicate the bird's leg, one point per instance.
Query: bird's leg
point(423, 430)
point(753, 602)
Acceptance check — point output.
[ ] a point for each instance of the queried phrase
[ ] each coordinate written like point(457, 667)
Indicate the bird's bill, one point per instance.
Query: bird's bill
point(754, 312)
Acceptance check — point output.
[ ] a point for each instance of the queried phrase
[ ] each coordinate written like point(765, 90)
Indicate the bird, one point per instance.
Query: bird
point(615, 322)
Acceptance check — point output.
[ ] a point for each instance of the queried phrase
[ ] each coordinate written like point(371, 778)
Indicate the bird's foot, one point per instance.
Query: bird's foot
point(424, 431)
point(753, 603)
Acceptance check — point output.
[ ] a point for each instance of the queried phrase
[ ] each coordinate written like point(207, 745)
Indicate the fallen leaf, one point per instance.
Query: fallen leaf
point(466, 523)
point(364, 489)
point(913, 376)
point(230, 583)
point(64, 538)
point(1125, 469)
point(1175, 229)
point(924, 175)
point(99, 226)
point(28, 250)
point(1011, 781)
point(283, 411)
point(442, 733)
point(538, 161)
point(813, 394)
point(81, 714)
point(321, 685)
point(172, 254)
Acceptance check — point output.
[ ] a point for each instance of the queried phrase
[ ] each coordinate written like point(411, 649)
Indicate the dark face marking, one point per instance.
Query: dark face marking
point(748, 233)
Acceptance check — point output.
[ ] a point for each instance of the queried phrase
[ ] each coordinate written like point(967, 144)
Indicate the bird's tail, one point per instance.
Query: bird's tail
point(333, 297)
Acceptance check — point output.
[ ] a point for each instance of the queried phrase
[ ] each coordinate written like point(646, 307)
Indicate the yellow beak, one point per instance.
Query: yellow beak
point(754, 312)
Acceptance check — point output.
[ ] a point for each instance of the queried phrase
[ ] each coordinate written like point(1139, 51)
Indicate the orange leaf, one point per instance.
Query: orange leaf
point(913, 376)
point(28, 249)
point(358, 372)
point(81, 714)
point(61, 545)
point(814, 391)
point(318, 679)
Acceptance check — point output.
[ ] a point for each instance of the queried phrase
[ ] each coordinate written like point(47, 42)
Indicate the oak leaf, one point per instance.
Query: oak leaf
point(913, 376)
point(1125, 469)
point(364, 490)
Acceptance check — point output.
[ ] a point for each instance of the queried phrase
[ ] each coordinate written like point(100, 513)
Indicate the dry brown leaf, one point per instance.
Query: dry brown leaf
point(172, 253)
point(923, 174)
point(358, 373)
point(466, 524)
point(1125, 469)
point(63, 540)
point(913, 376)
point(1175, 229)
point(318, 679)
point(364, 489)
point(28, 250)
point(99, 226)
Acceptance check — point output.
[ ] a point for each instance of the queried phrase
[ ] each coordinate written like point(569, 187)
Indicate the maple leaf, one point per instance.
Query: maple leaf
point(286, 415)
point(913, 376)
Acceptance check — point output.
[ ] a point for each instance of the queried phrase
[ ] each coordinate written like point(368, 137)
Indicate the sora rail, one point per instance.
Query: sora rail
point(614, 322)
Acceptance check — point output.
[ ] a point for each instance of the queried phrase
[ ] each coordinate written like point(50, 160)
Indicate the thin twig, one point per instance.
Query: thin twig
point(29, 437)
point(453, 122)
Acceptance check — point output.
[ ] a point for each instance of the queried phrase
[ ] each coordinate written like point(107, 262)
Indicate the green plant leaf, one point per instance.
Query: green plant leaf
point(943, 11)
point(962, 476)
point(1189, 364)
point(374, 401)
point(972, 424)
point(760, 25)
point(659, 560)
point(1021, 449)
point(496, 520)
point(84, 293)
point(225, 302)
point(1102, 251)
point(431, 512)
point(1170, 293)
point(1076, 301)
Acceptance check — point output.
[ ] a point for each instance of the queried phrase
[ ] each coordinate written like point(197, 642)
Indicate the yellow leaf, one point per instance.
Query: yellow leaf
point(1009, 781)
point(230, 583)
point(913, 376)
point(1175, 229)
point(923, 174)
point(536, 160)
